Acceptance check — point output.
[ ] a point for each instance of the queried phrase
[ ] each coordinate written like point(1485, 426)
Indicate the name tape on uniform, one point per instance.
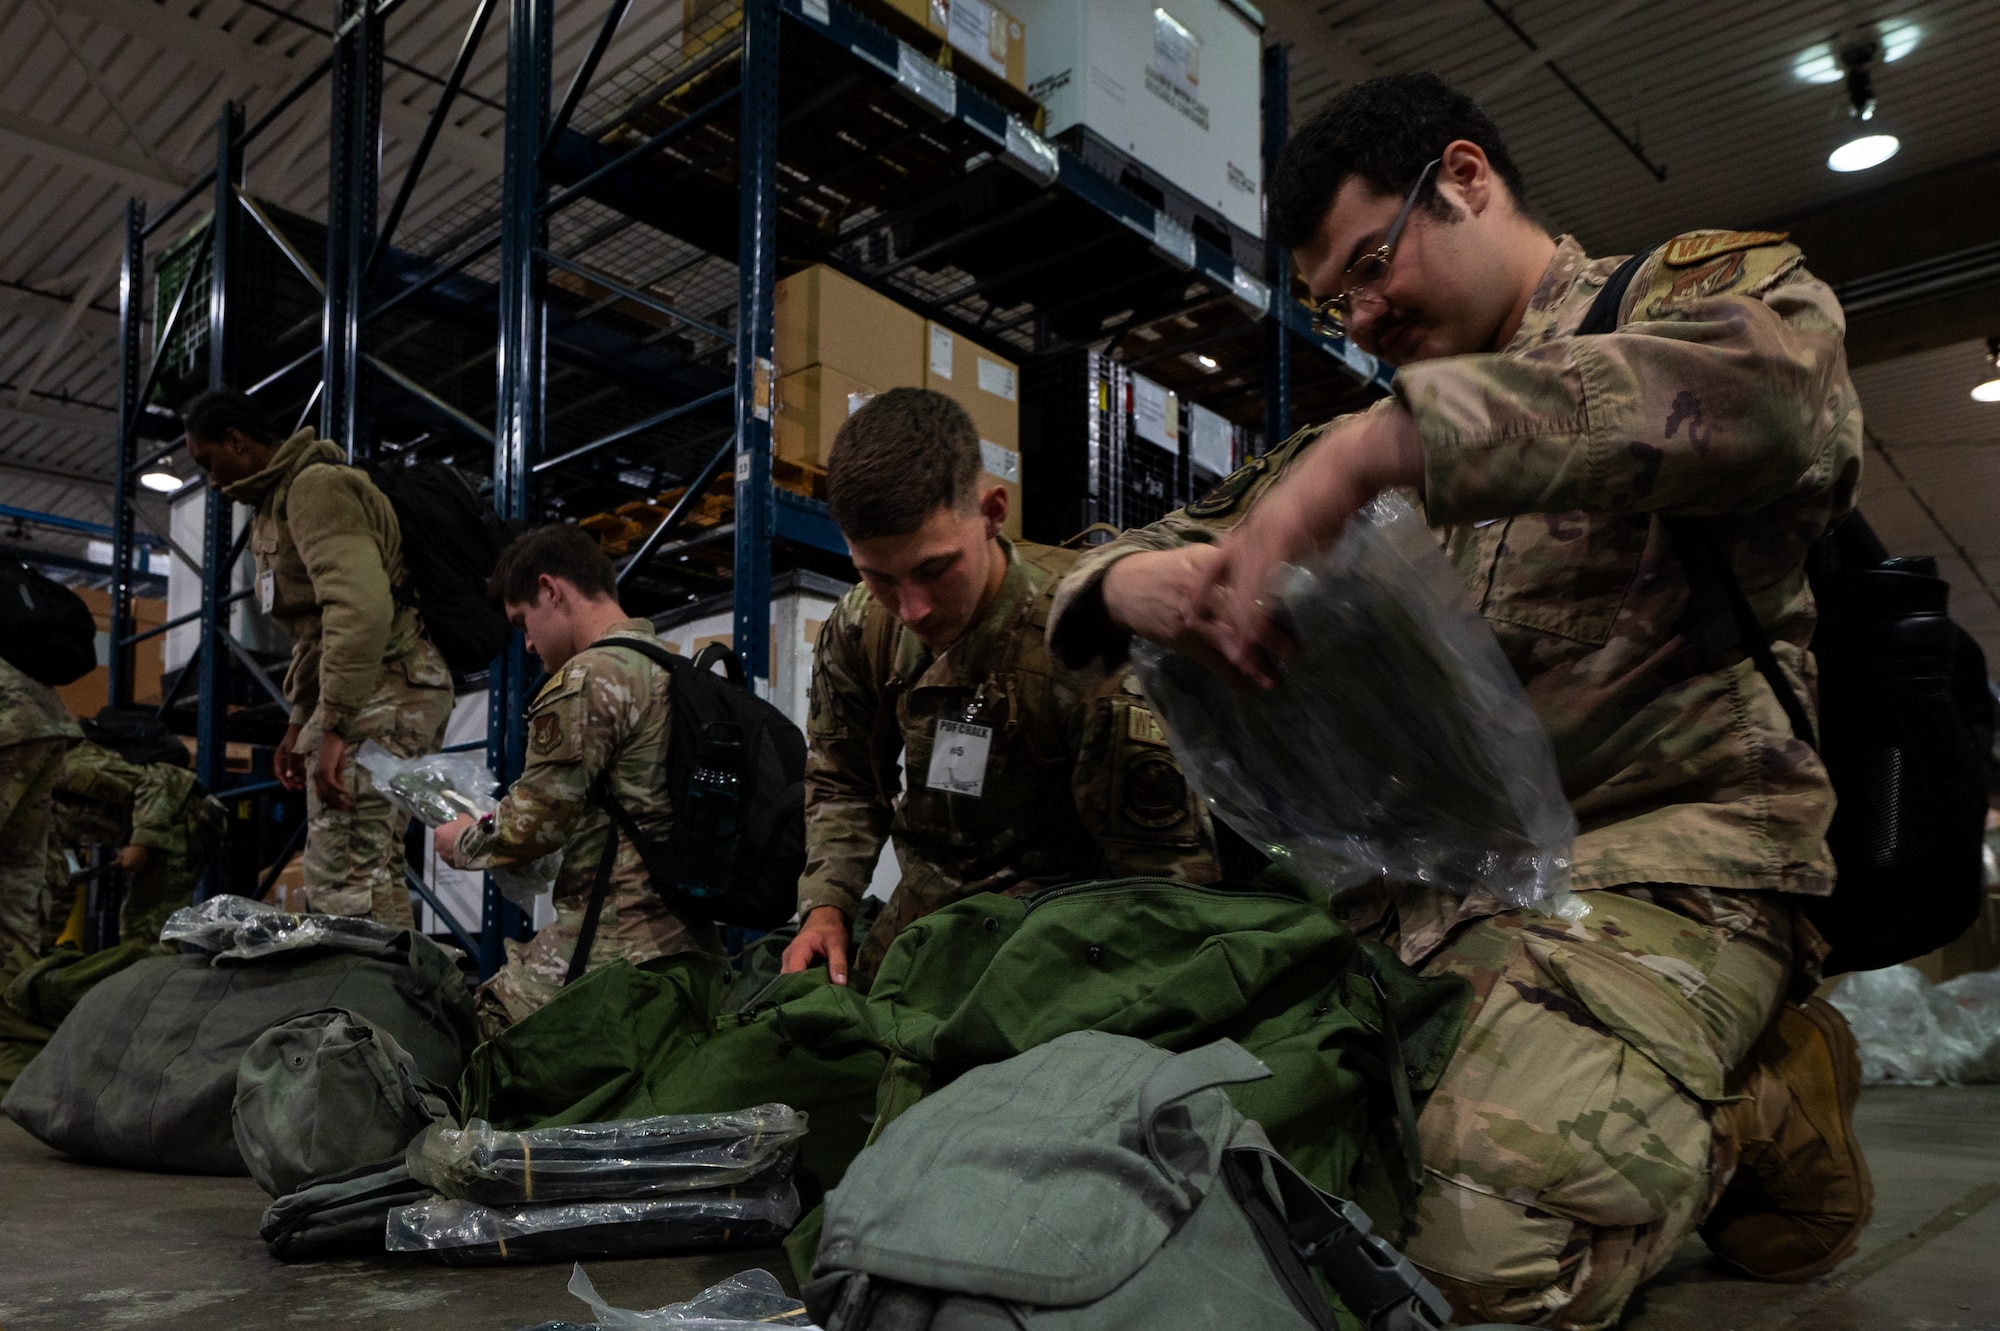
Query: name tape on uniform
point(958, 758)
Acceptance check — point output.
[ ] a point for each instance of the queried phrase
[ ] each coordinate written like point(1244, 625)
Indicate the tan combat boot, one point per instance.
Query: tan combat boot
point(1801, 1193)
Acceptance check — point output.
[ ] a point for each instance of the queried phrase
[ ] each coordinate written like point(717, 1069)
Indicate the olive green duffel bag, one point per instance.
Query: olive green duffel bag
point(320, 1094)
point(143, 1072)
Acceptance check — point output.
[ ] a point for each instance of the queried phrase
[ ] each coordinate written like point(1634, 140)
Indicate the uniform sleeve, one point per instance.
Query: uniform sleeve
point(847, 811)
point(1700, 407)
point(1130, 793)
point(159, 798)
point(1080, 631)
point(302, 677)
point(574, 728)
point(331, 527)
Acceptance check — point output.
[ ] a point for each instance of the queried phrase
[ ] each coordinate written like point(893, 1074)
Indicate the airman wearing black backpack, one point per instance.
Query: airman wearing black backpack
point(330, 556)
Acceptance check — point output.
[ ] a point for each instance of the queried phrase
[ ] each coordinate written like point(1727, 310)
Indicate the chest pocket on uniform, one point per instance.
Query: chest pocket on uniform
point(1566, 574)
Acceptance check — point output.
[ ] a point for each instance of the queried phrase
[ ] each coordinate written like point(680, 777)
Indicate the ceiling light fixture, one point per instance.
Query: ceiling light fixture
point(165, 482)
point(1990, 390)
point(1862, 150)
point(1208, 363)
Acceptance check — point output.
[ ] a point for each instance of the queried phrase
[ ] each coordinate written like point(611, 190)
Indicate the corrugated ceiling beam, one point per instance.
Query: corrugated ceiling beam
point(1558, 46)
point(46, 308)
point(54, 413)
point(194, 39)
point(87, 154)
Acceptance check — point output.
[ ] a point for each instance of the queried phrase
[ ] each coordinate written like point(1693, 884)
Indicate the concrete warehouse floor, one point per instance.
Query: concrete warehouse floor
point(83, 1247)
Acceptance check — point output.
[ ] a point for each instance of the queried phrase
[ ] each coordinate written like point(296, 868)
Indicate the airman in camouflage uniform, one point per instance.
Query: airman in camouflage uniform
point(103, 800)
point(1078, 783)
point(329, 554)
point(1579, 1134)
point(35, 730)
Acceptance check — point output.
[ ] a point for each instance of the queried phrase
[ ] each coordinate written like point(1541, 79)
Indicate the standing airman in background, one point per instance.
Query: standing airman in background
point(1020, 774)
point(329, 556)
point(601, 722)
point(167, 826)
point(36, 729)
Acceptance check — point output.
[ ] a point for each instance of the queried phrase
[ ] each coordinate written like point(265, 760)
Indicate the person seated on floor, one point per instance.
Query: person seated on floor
point(1619, 1068)
point(1017, 774)
point(604, 715)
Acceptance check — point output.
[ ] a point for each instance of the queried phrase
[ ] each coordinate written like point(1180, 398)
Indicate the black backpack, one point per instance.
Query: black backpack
point(46, 631)
point(136, 734)
point(1906, 723)
point(735, 770)
point(451, 540)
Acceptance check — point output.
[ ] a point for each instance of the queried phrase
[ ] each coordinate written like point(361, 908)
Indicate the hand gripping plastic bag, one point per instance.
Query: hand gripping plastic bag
point(1399, 743)
point(436, 788)
point(461, 1233)
point(620, 1160)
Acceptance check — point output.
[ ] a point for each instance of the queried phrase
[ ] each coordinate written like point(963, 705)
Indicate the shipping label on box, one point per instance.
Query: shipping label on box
point(1213, 445)
point(986, 385)
point(1156, 414)
point(1000, 463)
point(941, 343)
point(992, 37)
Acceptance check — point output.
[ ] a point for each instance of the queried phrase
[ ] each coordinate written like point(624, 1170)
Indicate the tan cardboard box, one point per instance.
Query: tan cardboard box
point(811, 405)
point(990, 37)
point(826, 319)
point(988, 386)
point(983, 34)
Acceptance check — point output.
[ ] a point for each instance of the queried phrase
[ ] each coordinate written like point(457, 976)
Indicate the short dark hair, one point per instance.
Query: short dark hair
point(1385, 131)
point(900, 458)
point(560, 551)
point(208, 416)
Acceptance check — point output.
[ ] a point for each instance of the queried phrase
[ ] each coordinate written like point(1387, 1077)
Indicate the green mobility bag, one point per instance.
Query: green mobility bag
point(143, 1072)
point(323, 1093)
point(348, 1212)
point(1098, 1181)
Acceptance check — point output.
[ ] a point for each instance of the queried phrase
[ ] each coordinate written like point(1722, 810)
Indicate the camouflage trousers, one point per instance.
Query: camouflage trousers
point(28, 773)
point(634, 925)
point(354, 857)
point(1572, 1144)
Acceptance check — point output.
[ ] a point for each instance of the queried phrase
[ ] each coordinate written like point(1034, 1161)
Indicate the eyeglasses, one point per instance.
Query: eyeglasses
point(1365, 276)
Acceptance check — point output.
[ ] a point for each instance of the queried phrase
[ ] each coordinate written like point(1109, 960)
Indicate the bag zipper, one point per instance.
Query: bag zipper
point(1145, 884)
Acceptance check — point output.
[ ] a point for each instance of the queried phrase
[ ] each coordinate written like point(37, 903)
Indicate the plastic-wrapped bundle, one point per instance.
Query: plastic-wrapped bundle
point(1914, 1033)
point(625, 1159)
point(461, 1233)
point(744, 1302)
point(436, 788)
point(1399, 742)
point(242, 929)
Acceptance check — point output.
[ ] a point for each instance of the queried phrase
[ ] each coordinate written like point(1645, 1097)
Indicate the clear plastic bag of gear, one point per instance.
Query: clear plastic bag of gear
point(461, 1233)
point(621, 1160)
point(241, 929)
point(439, 787)
point(744, 1302)
point(1399, 743)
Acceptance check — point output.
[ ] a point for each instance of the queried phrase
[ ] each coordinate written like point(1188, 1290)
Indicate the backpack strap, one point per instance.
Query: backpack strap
point(600, 888)
point(1719, 616)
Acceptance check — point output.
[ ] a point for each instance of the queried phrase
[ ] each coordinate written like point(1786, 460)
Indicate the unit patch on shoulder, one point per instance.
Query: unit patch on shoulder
point(545, 732)
point(1228, 492)
point(1693, 248)
point(1155, 794)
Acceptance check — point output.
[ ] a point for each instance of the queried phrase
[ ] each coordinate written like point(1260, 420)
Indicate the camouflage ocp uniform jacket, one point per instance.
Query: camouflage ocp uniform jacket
point(1078, 781)
point(329, 555)
point(605, 716)
point(1723, 394)
point(103, 799)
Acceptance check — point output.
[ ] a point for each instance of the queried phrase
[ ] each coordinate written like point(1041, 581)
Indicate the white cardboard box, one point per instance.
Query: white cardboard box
point(1176, 85)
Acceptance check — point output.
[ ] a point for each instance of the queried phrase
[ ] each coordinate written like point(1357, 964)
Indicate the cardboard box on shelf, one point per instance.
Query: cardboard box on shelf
point(983, 34)
point(824, 318)
point(1174, 85)
point(987, 385)
point(811, 405)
